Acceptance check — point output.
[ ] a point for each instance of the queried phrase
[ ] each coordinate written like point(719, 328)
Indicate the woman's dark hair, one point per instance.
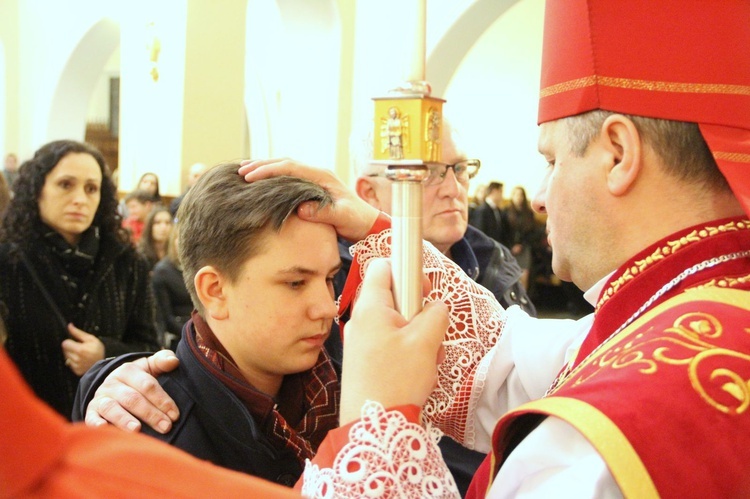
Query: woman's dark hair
point(22, 221)
point(156, 195)
point(146, 244)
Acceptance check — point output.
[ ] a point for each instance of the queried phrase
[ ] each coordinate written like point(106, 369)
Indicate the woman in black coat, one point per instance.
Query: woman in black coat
point(75, 289)
point(173, 302)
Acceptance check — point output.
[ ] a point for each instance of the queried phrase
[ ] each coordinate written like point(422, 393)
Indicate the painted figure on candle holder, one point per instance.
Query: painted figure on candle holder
point(394, 132)
point(432, 134)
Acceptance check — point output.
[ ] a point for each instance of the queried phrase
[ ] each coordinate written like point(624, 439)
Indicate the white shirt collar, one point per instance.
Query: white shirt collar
point(592, 295)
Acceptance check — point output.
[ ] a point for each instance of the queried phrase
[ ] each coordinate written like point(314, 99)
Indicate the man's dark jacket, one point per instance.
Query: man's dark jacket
point(213, 425)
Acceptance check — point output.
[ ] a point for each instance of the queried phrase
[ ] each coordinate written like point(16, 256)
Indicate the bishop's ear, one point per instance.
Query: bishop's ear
point(623, 141)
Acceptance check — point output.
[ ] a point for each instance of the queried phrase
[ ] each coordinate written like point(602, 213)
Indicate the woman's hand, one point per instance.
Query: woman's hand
point(82, 351)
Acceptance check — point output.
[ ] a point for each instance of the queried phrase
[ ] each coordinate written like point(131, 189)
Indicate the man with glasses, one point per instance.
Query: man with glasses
point(445, 212)
point(445, 207)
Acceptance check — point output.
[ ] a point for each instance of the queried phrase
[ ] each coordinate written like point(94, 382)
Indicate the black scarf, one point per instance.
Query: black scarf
point(75, 262)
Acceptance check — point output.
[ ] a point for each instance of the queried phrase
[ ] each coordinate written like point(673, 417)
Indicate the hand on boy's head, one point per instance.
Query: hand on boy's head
point(131, 392)
point(351, 216)
point(387, 358)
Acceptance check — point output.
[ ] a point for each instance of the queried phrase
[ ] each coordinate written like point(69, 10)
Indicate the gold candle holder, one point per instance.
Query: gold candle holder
point(408, 125)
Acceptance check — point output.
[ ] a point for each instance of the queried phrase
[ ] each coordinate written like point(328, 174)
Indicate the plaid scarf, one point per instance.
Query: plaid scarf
point(309, 400)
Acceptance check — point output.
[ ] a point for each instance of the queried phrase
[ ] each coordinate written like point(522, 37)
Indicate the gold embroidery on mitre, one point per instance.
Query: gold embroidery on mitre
point(669, 248)
point(588, 81)
point(734, 157)
point(647, 85)
point(691, 341)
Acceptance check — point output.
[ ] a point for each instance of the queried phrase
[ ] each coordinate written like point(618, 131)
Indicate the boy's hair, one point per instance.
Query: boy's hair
point(223, 219)
point(140, 195)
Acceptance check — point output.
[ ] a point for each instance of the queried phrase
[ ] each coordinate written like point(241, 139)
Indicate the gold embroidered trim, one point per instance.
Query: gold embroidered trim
point(648, 85)
point(691, 340)
point(736, 157)
point(669, 248)
point(610, 442)
point(726, 282)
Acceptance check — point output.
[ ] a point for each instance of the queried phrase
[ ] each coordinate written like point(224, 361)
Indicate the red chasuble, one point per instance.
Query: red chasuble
point(661, 385)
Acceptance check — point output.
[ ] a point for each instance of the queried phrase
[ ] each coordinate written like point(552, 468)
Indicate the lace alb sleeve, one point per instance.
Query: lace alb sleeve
point(386, 456)
point(476, 322)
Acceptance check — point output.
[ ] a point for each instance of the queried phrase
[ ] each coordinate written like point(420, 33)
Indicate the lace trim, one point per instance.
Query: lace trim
point(476, 322)
point(386, 457)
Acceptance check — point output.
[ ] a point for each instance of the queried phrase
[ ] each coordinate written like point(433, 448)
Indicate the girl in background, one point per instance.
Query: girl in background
point(523, 231)
point(154, 240)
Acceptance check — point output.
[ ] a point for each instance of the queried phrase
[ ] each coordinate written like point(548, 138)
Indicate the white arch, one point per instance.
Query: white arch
point(452, 48)
point(67, 118)
point(292, 78)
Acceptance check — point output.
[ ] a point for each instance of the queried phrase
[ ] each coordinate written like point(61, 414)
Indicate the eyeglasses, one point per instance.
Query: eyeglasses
point(463, 170)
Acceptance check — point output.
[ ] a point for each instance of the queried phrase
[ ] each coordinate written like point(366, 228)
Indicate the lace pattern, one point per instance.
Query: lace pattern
point(386, 457)
point(476, 322)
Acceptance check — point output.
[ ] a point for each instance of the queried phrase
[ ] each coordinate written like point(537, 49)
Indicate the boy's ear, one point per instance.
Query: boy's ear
point(209, 286)
point(623, 141)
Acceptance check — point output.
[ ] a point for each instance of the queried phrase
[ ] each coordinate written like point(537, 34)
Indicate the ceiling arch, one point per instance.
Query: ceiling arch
point(67, 118)
point(452, 48)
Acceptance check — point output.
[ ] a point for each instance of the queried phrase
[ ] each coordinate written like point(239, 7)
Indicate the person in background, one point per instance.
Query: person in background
point(139, 204)
point(10, 169)
point(149, 182)
point(476, 200)
point(196, 170)
point(173, 303)
point(154, 242)
point(523, 230)
point(75, 289)
point(489, 217)
point(256, 390)
point(5, 196)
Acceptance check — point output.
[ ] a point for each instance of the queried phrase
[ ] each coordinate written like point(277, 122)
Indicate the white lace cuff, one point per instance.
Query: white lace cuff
point(386, 457)
point(476, 322)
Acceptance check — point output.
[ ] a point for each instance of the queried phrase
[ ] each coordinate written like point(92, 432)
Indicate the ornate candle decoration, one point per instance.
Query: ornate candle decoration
point(408, 123)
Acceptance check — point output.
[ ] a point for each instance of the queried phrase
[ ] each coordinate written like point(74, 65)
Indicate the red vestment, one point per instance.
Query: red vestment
point(664, 400)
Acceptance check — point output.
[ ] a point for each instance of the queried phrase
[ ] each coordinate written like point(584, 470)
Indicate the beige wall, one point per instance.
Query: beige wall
point(312, 77)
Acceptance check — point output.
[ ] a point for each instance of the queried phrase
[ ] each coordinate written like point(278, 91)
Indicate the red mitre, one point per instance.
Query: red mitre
point(684, 60)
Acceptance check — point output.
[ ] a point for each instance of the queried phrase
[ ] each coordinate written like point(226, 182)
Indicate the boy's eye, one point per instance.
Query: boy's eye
point(296, 284)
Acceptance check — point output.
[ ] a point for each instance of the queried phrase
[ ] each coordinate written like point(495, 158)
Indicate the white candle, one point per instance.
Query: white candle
point(416, 22)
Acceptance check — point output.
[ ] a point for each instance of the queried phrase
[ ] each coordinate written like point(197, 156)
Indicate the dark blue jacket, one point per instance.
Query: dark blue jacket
point(214, 424)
